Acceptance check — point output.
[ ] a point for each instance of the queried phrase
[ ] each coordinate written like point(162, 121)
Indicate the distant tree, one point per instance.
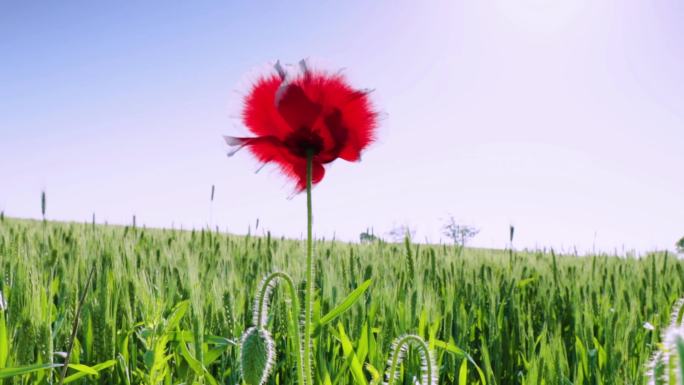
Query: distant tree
point(368, 236)
point(401, 232)
point(680, 245)
point(460, 234)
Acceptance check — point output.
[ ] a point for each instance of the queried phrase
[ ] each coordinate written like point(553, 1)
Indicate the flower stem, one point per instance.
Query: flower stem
point(308, 307)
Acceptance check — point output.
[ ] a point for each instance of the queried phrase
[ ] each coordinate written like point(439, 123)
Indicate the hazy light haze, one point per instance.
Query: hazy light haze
point(563, 118)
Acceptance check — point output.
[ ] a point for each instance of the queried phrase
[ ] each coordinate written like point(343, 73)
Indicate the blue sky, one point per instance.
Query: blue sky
point(564, 118)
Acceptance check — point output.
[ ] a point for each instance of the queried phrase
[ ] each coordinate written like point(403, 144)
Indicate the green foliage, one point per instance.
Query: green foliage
point(345, 304)
point(667, 365)
point(13, 372)
point(398, 352)
point(368, 237)
point(257, 356)
point(680, 245)
point(167, 306)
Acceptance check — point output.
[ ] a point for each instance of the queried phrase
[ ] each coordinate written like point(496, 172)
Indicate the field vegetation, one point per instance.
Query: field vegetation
point(169, 307)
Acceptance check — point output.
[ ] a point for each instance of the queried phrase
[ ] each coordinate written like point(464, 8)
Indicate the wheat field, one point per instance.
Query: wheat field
point(169, 307)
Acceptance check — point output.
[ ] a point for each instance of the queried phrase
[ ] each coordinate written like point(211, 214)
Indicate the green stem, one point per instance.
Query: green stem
point(429, 370)
point(308, 306)
point(74, 327)
point(262, 308)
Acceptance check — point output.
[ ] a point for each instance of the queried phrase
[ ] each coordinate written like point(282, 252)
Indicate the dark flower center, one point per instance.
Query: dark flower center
point(303, 141)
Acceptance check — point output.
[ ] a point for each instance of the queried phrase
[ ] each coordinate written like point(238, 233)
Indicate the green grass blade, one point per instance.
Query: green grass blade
point(355, 364)
point(345, 304)
point(463, 373)
point(20, 371)
point(82, 373)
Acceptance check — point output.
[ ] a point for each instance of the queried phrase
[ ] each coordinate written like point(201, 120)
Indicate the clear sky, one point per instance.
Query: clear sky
point(562, 117)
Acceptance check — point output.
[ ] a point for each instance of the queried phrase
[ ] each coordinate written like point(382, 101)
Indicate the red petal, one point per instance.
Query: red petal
point(334, 135)
point(270, 149)
point(260, 114)
point(347, 115)
point(296, 108)
point(360, 121)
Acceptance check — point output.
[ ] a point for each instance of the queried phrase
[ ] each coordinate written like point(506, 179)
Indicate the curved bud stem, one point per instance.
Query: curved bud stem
point(261, 306)
point(400, 346)
point(667, 363)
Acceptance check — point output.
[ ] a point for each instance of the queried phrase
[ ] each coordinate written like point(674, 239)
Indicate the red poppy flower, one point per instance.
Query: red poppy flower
point(309, 112)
